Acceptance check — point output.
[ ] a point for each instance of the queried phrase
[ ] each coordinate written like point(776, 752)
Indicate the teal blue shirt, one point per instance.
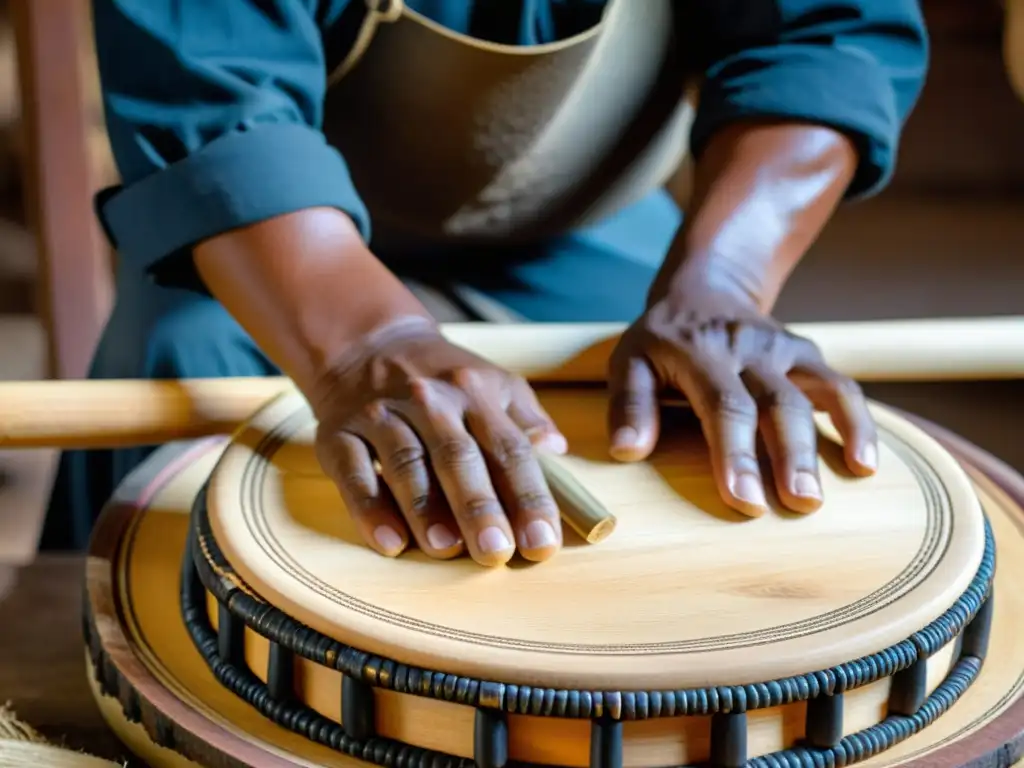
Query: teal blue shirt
point(214, 107)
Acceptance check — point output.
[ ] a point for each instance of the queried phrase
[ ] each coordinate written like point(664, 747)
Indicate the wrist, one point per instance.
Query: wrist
point(762, 194)
point(342, 374)
point(306, 289)
point(688, 279)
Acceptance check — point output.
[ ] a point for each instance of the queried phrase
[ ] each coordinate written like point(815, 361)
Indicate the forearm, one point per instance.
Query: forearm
point(305, 287)
point(762, 194)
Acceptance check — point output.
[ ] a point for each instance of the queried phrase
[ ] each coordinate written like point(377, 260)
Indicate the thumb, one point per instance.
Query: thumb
point(633, 418)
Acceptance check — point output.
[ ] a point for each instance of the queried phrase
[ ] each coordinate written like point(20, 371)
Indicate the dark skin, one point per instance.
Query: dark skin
point(762, 196)
point(455, 436)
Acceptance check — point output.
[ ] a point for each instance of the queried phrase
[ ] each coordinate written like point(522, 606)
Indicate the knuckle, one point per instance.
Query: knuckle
point(406, 460)
point(802, 452)
point(455, 452)
point(375, 412)
point(359, 492)
point(743, 462)
point(420, 391)
point(419, 505)
point(739, 405)
point(356, 483)
point(477, 507)
point(511, 451)
point(467, 379)
point(364, 504)
point(631, 404)
point(743, 335)
point(789, 402)
point(537, 500)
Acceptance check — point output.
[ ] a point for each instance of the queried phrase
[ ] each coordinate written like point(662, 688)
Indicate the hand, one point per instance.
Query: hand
point(739, 369)
point(455, 439)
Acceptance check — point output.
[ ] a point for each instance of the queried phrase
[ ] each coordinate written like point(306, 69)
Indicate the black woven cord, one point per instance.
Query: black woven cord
point(391, 754)
point(294, 716)
point(219, 578)
point(887, 734)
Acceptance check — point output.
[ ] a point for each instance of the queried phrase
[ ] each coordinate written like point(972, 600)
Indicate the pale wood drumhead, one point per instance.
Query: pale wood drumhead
point(684, 593)
point(169, 704)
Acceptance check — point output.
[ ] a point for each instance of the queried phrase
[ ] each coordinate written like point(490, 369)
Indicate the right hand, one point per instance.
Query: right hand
point(454, 437)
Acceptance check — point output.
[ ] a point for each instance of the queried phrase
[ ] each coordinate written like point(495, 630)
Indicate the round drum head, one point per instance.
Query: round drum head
point(161, 697)
point(684, 593)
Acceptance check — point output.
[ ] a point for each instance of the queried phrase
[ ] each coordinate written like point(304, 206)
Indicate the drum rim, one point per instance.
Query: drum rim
point(229, 589)
point(169, 722)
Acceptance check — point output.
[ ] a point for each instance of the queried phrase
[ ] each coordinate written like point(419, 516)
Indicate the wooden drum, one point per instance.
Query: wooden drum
point(234, 618)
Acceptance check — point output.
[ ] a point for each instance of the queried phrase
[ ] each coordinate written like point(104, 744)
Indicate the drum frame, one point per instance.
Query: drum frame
point(158, 723)
point(205, 569)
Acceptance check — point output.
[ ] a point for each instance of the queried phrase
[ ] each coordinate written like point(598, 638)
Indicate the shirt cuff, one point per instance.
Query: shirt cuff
point(842, 88)
point(234, 181)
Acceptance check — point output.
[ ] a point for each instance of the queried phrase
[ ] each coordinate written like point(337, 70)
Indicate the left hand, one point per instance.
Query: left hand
point(741, 372)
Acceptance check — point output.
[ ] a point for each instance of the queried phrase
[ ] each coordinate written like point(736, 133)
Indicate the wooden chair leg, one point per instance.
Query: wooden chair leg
point(75, 285)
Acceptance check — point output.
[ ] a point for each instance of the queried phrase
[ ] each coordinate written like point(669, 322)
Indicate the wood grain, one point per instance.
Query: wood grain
point(159, 635)
point(610, 617)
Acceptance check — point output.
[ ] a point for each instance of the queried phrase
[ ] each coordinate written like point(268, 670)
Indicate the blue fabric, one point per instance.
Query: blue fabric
point(856, 66)
point(215, 108)
point(195, 198)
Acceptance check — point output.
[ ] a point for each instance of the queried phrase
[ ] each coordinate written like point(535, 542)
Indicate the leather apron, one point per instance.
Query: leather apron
point(455, 140)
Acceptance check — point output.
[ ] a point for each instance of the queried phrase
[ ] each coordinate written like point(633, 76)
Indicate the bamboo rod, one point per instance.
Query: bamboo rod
point(112, 413)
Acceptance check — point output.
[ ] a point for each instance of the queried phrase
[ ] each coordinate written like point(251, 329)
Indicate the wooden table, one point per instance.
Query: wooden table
point(42, 661)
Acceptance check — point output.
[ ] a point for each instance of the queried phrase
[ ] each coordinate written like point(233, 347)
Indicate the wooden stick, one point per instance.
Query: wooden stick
point(123, 413)
point(890, 350)
point(578, 506)
point(118, 413)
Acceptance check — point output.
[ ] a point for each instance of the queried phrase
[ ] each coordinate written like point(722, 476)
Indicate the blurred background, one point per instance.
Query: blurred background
point(946, 239)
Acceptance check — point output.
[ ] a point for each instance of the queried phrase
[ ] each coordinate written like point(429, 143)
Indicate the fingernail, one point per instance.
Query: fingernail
point(387, 538)
point(555, 443)
point(748, 488)
point(626, 437)
point(806, 484)
point(868, 456)
point(440, 537)
point(492, 540)
point(538, 535)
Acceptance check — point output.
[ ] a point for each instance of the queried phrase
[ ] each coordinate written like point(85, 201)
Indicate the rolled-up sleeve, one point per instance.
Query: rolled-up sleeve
point(858, 67)
point(213, 110)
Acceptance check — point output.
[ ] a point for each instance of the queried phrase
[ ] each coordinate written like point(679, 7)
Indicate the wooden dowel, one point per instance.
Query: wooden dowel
point(123, 413)
point(879, 350)
point(579, 508)
point(118, 413)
